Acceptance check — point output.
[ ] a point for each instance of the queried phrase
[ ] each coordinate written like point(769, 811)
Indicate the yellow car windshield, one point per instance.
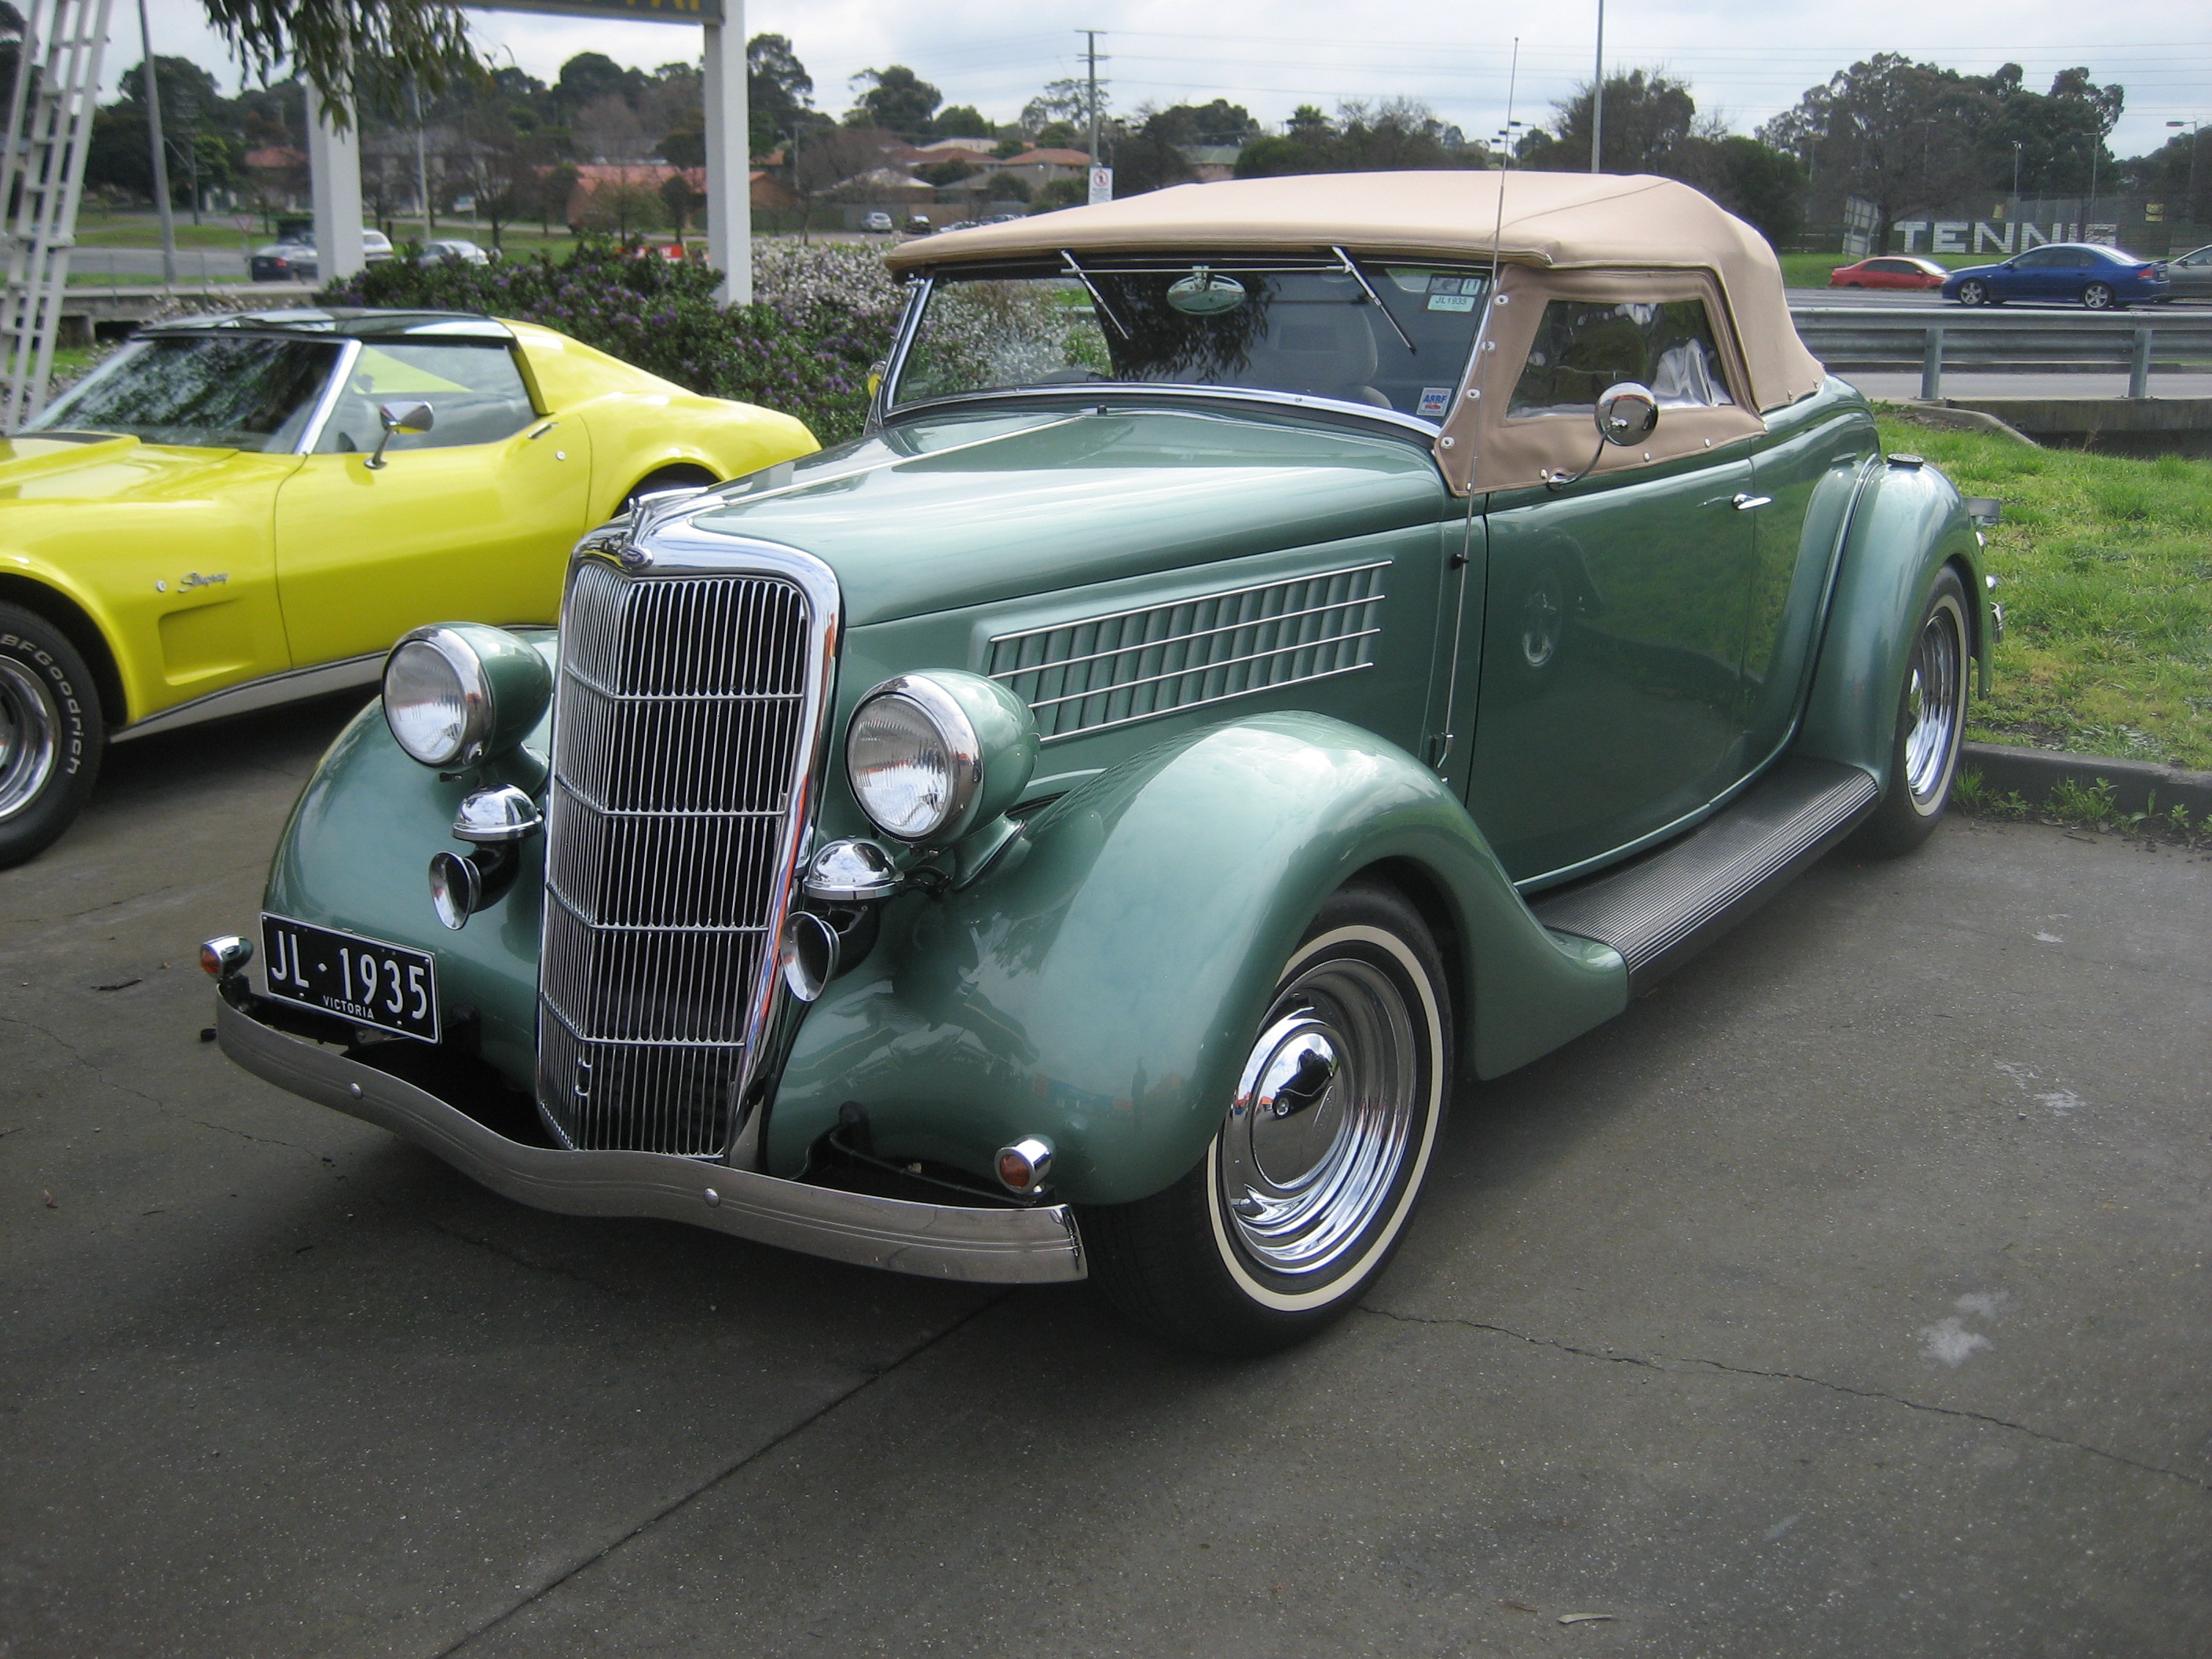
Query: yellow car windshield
point(238, 393)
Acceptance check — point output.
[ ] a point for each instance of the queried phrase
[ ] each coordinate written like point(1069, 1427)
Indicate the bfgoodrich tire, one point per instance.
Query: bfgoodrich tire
point(51, 736)
point(1310, 1182)
point(1931, 719)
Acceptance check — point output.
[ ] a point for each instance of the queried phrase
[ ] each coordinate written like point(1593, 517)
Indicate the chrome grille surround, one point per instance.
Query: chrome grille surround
point(1108, 670)
point(690, 704)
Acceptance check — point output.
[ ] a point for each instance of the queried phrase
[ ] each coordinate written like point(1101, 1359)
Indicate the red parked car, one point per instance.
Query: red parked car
point(1889, 271)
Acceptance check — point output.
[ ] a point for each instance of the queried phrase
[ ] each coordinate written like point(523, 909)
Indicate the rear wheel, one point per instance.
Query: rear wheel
point(1308, 1185)
point(1975, 293)
point(2099, 296)
point(668, 478)
point(51, 735)
point(1932, 719)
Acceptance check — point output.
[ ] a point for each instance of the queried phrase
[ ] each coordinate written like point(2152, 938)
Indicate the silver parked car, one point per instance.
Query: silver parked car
point(2191, 274)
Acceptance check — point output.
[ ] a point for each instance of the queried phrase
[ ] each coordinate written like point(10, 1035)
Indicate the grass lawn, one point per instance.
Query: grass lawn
point(2105, 570)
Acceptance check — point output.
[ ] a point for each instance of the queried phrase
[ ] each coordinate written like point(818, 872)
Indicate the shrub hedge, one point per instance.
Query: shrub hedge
point(823, 315)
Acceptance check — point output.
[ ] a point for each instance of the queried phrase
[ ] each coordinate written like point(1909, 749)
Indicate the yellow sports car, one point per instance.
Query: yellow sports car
point(236, 512)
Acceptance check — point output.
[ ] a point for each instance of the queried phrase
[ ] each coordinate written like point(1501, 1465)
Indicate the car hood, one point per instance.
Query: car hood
point(58, 470)
point(941, 512)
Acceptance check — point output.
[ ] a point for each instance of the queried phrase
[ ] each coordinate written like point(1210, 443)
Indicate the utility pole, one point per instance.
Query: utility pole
point(1597, 92)
point(161, 155)
point(2189, 192)
point(422, 161)
point(1090, 63)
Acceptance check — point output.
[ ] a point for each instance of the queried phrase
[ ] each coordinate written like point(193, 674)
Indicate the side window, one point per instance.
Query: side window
point(476, 394)
point(1890, 267)
point(1584, 346)
point(2037, 259)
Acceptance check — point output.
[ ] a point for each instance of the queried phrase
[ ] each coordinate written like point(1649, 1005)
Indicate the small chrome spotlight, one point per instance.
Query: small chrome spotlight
point(1024, 1166)
point(456, 889)
point(225, 955)
point(852, 872)
point(807, 954)
point(490, 816)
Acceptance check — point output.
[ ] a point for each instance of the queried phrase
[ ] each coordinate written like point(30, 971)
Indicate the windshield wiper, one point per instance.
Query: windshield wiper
point(1097, 298)
point(1360, 277)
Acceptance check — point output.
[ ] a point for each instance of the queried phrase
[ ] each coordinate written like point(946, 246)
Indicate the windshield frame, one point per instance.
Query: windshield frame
point(319, 412)
point(883, 411)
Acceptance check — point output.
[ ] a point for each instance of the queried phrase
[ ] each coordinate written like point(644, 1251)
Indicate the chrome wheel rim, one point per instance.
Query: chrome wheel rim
point(29, 725)
point(1972, 294)
point(1932, 706)
point(1325, 1116)
point(2097, 297)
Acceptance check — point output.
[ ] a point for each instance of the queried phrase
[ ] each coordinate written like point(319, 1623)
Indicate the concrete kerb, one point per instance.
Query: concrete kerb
point(1949, 417)
point(2138, 785)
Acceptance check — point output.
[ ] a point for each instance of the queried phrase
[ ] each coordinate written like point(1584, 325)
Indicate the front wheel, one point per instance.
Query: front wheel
point(1308, 1185)
point(51, 736)
point(2099, 296)
point(1932, 719)
point(1973, 294)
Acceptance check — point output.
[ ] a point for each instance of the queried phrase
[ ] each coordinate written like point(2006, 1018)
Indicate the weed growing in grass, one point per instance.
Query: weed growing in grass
point(2107, 595)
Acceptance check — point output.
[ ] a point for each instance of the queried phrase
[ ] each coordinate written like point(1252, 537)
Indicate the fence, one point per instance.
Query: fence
point(1932, 339)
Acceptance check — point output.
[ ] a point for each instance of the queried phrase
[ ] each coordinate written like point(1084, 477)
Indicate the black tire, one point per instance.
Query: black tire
point(1973, 292)
point(52, 734)
point(667, 478)
point(2099, 296)
point(1931, 720)
point(1206, 1270)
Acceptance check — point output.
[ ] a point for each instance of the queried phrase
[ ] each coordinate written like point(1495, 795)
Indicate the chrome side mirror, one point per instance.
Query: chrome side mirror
point(400, 417)
point(1627, 414)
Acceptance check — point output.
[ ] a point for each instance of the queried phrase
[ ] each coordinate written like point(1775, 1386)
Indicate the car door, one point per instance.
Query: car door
point(2191, 274)
point(1611, 692)
point(469, 521)
point(2040, 274)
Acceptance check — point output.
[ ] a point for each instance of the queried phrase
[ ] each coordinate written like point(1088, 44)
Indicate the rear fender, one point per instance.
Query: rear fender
point(1100, 985)
point(1907, 524)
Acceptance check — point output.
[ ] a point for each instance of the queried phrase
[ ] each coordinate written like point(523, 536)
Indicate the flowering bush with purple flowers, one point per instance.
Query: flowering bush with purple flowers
point(822, 316)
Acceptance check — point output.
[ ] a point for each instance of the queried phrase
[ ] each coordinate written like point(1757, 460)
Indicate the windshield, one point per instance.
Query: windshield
point(1312, 328)
point(246, 392)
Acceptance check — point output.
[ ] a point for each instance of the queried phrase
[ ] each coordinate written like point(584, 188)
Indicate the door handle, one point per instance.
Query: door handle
point(544, 430)
point(1748, 503)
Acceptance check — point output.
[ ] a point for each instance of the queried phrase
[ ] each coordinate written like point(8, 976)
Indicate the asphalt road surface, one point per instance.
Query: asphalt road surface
point(1847, 1297)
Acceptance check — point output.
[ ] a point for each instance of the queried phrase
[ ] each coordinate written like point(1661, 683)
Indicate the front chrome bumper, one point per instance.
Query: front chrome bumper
point(937, 1241)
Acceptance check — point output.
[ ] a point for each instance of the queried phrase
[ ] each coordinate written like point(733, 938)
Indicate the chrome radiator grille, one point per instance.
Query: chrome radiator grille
point(679, 723)
point(1132, 664)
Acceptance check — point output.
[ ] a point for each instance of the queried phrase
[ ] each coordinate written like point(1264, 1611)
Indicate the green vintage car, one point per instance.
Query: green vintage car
point(1281, 650)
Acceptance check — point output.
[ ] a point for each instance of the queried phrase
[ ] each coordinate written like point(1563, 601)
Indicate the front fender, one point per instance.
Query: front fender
point(1100, 985)
point(1908, 522)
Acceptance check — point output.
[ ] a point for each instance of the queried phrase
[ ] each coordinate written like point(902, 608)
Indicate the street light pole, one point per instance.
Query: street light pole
point(1597, 92)
point(2189, 192)
point(161, 154)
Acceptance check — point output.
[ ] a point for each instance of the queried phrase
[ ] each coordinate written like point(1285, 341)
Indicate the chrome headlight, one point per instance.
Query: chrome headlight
point(931, 756)
point(459, 693)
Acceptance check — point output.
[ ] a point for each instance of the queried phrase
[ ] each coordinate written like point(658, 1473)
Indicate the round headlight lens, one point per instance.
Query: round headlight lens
point(913, 759)
point(434, 697)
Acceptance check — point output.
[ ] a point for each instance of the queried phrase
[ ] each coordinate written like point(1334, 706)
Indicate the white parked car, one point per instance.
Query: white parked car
point(454, 248)
point(878, 221)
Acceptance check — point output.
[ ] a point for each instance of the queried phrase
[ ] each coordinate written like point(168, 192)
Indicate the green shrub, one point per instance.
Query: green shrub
point(805, 346)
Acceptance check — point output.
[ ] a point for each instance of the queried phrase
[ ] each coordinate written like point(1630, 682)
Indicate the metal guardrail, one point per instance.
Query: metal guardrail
point(1932, 338)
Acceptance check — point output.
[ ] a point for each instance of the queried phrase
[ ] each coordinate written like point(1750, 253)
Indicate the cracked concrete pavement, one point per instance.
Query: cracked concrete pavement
point(1847, 1296)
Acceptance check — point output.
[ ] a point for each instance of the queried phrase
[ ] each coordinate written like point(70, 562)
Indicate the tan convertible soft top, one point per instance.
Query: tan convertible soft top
point(1553, 221)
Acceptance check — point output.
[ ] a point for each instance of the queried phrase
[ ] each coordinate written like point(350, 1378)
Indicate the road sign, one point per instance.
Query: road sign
point(1102, 185)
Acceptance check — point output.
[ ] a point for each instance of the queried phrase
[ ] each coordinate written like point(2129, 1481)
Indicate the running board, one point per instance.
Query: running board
point(1663, 909)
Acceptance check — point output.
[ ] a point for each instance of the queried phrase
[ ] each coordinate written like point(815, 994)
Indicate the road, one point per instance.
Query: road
point(1847, 1297)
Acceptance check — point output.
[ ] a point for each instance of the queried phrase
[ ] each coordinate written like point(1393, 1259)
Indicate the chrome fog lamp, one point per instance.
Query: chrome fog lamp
point(1023, 1167)
point(225, 955)
point(458, 693)
point(930, 756)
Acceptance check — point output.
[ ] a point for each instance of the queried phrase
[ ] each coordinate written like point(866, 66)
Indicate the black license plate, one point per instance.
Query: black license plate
point(363, 980)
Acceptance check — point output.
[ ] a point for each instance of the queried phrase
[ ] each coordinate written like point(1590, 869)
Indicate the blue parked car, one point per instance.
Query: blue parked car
point(2101, 278)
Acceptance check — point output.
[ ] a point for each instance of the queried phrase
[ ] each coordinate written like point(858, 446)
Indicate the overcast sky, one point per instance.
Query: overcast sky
point(1744, 58)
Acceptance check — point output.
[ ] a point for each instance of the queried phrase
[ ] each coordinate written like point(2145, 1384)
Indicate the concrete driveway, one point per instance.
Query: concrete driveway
point(1848, 1297)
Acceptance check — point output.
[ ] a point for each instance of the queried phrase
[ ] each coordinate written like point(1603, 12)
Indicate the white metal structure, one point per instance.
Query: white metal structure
point(41, 172)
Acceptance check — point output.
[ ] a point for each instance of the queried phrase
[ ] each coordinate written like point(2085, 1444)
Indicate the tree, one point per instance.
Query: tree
point(681, 201)
point(1396, 135)
point(963, 121)
point(1757, 183)
point(1007, 188)
point(1062, 108)
point(778, 91)
point(897, 99)
point(590, 78)
point(1895, 133)
point(1647, 120)
point(608, 130)
point(623, 208)
point(1218, 122)
point(947, 172)
point(371, 49)
point(1147, 160)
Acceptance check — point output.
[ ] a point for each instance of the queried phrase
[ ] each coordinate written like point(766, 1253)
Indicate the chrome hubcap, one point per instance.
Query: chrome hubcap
point(28, 723)
point(1324, 1116)
point(1932, 705)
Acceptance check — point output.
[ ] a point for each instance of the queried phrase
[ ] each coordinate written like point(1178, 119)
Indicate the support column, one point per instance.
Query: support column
point(334, 164)
point(729, 156)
